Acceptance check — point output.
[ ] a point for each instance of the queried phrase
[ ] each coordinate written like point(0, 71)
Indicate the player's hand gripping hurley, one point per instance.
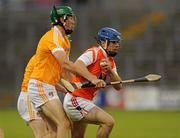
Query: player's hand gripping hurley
point(72, 86)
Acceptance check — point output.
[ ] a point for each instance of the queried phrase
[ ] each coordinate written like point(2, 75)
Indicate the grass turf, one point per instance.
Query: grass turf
point(129, 124)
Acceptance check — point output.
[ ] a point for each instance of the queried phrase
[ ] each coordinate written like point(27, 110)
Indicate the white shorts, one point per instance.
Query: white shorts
point(26, 109)
point(76, 107)
point(41, 92)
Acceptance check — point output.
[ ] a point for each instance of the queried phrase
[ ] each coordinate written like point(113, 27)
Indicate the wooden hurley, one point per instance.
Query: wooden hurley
point(72, 86)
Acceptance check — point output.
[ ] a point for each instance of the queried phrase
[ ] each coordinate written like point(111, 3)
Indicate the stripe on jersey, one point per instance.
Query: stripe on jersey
point(55, 38)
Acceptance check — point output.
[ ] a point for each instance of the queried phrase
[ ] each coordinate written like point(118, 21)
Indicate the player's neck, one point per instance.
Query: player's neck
point(62, 30)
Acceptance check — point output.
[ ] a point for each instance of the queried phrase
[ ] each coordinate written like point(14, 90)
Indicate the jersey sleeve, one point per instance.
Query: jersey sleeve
point(57, 44)
point(88, 57)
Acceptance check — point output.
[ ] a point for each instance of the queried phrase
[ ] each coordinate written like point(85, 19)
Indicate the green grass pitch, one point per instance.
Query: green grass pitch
point(129, 124)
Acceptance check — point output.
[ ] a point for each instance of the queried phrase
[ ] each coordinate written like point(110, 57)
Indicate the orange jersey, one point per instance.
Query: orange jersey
point(27, 74)
point(47, 67)
point(92, 58)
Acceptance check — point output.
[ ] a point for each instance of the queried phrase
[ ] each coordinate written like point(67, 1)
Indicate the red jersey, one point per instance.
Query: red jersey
point(92, 58)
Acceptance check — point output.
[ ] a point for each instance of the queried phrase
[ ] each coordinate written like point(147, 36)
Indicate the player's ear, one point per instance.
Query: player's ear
point(62, 19)
point(103, 44)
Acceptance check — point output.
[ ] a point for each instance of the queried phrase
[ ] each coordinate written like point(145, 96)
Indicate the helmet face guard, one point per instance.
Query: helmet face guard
point(57, 13)
point(109, 34)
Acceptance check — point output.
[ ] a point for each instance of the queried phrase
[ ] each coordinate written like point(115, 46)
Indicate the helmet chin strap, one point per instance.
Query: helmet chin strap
point(109, 53)
point(106, 44)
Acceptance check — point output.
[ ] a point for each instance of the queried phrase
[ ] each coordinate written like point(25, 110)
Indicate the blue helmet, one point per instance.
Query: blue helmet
point(108, 34)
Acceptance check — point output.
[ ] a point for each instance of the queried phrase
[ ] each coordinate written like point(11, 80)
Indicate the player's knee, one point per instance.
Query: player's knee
point(65, 122)
point(39, 134)
point(110, 122)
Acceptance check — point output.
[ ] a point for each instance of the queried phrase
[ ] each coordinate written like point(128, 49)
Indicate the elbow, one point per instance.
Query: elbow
point(63, 64)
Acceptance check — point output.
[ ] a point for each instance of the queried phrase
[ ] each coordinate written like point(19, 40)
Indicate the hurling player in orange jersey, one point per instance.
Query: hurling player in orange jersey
point(29, 113)
point(78, 104)
point(52, 58)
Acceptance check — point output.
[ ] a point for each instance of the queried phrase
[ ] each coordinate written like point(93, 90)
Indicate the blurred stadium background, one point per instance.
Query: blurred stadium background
point(151, 44)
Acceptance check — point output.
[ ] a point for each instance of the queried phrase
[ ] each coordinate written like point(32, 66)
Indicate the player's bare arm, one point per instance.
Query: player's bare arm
point(115, 77)
point(67, 74)
point(77, 68)
point(99, 83)
point(112, 74)
point(60, 88)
